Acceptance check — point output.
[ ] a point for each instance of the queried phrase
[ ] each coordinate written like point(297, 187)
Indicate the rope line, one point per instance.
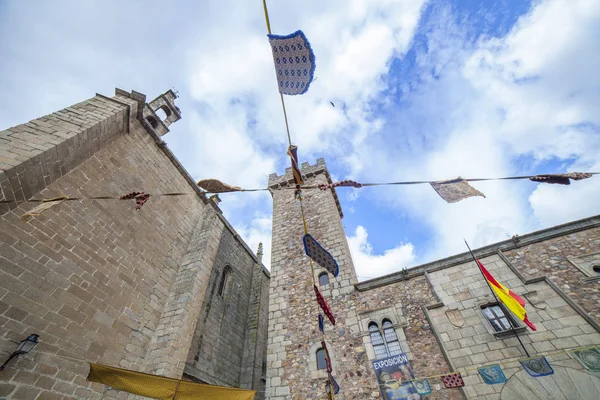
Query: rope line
point(307, 187)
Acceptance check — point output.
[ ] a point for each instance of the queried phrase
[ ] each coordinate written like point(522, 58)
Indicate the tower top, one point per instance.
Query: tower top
point(307, 170)
point(162, 105)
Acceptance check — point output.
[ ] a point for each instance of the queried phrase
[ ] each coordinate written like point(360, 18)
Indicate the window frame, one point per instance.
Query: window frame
point(223, 282)
point(324, 361)
point(326, 275)
point(516, 325)
point(382, 334)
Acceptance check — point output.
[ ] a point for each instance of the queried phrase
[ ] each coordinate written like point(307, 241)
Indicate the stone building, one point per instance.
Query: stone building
point(173, 290)
point(170, 289)
point(437, 313)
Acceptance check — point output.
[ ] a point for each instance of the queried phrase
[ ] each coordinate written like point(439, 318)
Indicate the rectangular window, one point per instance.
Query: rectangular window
point(499, 320)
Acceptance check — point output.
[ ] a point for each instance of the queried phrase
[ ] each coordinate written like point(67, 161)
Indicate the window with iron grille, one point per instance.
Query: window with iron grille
point(499, 319)
point(387, 344)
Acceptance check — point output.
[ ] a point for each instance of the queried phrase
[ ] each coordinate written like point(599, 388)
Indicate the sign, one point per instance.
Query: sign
point(393, 375)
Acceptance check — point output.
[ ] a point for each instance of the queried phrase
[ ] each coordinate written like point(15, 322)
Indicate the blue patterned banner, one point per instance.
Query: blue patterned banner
point(294, 62)
point(537, 366)
point(319, 255)
point(492, 374)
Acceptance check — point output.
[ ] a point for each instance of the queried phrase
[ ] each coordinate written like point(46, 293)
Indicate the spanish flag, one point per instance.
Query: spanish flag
point(510, 299)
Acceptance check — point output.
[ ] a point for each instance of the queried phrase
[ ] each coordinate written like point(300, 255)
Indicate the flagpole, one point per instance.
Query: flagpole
point(497, 299)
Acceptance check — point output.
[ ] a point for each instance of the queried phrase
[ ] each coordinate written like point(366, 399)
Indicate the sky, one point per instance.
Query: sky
point(423, 90)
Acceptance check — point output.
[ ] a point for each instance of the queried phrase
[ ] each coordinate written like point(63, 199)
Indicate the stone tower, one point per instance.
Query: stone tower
point(293, 336)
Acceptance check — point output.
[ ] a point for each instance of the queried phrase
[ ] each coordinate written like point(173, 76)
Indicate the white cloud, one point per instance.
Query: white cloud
point(369, 265)
point(259, 231)
point(486, 105)
point(471, 108)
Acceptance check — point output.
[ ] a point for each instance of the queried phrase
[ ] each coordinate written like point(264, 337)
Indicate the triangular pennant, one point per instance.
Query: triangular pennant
point(324, 306)
point(492, 374)
point(589, 358)
point(321, 323)
point(537, 366)
point(455, 190)
point(422, 386)
point(319, 255)
point(453, 380)
point(294, 62)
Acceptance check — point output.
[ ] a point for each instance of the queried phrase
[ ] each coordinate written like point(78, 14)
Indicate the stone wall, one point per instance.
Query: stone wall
point(469, 340)
point(436, 308)
point(226, 336)
point(293, 335)
point(96, 279)
point(568, 261)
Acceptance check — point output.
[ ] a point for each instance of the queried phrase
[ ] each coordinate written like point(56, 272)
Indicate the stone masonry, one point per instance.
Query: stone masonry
point(293, 336)
point(101, 282)
point(436, 308)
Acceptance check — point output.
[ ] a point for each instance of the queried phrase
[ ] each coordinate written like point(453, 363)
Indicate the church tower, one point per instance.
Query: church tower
point(293, 337)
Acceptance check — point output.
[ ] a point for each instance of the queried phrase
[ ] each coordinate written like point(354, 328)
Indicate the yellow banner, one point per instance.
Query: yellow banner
point(159, 387)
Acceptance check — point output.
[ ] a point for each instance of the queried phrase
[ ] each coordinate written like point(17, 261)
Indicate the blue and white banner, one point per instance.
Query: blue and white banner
point(294, 62)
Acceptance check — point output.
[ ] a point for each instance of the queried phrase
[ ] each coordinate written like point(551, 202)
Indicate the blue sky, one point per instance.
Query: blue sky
point(423, 90)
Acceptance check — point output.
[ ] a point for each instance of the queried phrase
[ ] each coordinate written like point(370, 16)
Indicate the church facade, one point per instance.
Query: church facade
point(172, 290)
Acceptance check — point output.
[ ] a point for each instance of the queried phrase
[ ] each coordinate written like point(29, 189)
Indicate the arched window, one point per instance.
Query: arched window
point(386, 345)
point(323, 279)
point(152, 121)
point(377, 341)
point(321, 363)
point(596, 268)
point(163, 112)
point(391, 339)
point(224, 279)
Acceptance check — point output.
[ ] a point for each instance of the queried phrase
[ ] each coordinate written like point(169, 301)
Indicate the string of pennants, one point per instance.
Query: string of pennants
point(294, 63)
point(588, 357)
point(451, 191)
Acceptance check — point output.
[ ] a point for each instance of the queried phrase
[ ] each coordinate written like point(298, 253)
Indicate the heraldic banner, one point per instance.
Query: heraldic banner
point(393, 375)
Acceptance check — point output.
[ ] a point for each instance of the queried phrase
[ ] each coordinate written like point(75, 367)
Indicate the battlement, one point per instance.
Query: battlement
point(308, 171)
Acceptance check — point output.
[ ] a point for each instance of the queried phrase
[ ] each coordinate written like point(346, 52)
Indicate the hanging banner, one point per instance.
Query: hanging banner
point(589, 358)
point(319, 255)
point(455, 190)
point(422, 386)
point(293, 153)
point(394, 375)
point(324, 306)
point(294, 62)
point(537, 366)
point(453, 380)
point(322, 323)
point(492, 374)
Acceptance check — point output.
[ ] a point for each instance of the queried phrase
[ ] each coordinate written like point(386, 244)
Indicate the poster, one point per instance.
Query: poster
point(393, 375)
